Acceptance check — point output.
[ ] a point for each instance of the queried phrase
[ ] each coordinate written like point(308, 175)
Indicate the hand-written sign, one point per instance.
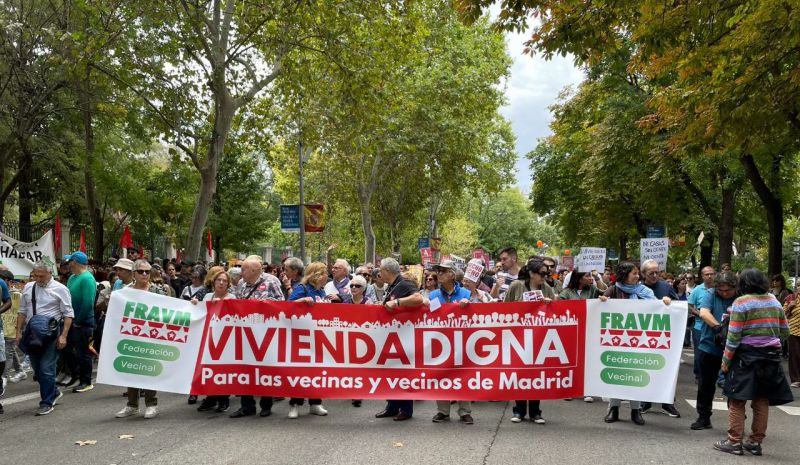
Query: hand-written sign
point(654, 249)
point(592, 258)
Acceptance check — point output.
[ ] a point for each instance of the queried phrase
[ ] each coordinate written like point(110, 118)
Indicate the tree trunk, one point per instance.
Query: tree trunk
point(773, 206)
point(725, 225)
point(223, 119)
point(623, 247)
point(706, 251)
point(364, 197)
point(25, 195)
point(95, 218)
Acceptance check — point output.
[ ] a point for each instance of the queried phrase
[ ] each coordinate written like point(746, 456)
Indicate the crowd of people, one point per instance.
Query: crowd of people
point(740, 326)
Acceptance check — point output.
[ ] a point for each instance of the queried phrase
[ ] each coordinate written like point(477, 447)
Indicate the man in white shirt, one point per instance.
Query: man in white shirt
point(46, 297)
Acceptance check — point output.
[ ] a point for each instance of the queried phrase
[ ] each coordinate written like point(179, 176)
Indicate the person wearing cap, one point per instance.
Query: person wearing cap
point(142, 282)
point(124, 269)
point(450, 291)
point(83, 288)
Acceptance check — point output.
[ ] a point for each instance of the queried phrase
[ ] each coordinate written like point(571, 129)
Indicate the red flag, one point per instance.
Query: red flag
point(58, 236)
point(82, 248)
point(126, 241)
point(210, 249)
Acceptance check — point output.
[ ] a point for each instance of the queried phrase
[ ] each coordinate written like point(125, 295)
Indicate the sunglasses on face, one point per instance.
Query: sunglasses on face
point(143, 271)
point(356, 286)
point(543, 274)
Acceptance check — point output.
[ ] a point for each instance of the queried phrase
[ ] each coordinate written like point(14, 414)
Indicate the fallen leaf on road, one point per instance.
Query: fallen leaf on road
point(397, 444)
point(126, 436)
point(88, 442)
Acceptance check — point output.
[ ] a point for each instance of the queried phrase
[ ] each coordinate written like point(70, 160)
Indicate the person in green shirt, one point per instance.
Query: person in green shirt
point(83, 289)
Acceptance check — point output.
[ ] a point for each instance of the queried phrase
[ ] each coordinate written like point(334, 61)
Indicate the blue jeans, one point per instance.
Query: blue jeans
point(44, 367)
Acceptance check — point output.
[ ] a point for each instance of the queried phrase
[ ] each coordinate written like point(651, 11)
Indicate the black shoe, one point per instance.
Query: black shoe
point(671, 411)
point(646, 407)
point(752, 447)
point(223, 406)
point(192, 400)
point(467, 419)
point(241, 413)
point(701, 423)
point(612, 415)
point(402, 416)
point(356, 403)
point(1, 409)
point(207, 405)
point(385, 414)
point(636, 416)
point(265, 413)
point(440, 417)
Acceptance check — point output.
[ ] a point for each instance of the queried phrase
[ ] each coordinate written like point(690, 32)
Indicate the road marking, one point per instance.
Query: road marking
point(21, 398)
point(714, 406)
point(790, 410)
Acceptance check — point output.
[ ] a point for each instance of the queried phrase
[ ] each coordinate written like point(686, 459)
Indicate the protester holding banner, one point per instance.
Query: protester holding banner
point(399, 294)
point(358, 289)
point(311, 289)
point(256, 285)
point(472, 281)
point(580, 287)
point(661, 289)
point(752, 361)
point(713, 306)
point(628, 286)
point(220, 283)
point(141, 281)
point(530, 286)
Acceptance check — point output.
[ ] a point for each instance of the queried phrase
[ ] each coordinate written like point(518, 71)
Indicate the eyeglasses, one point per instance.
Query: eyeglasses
point(356, 286)
point(543, 274)
point(143, 271)
point(430, 279)
point(725, 289)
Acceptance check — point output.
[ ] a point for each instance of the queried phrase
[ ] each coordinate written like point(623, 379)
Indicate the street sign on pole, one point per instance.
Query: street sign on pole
point(290, 218)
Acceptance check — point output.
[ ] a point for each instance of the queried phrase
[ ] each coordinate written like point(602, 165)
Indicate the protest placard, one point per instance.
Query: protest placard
point(654, 249)
point(592, 258)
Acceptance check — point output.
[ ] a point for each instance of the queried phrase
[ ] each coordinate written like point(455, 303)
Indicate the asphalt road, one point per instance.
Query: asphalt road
point(574, 434)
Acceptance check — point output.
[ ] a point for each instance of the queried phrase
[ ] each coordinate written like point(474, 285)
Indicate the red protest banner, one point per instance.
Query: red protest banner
point(500, 351)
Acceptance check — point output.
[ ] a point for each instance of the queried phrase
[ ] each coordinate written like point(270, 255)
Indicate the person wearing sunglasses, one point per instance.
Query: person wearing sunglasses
point(358, 286)
point(431, 284)
point(142, 282)
point(531, 278)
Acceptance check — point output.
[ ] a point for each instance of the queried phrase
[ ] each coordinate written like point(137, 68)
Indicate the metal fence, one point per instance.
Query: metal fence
point(26, 232)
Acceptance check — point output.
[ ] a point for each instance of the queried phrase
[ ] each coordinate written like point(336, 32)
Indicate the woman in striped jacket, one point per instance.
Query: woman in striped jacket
point(752, 362)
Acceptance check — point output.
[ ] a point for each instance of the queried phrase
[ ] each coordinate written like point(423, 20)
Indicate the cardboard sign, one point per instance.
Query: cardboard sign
point(473, 272)
point(654, 249)
point(592, 258)
point(533, 296)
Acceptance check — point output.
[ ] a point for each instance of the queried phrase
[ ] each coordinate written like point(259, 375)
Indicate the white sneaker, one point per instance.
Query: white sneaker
point(127, 412)
point(317, 410)
point(19, 377)
point(151, 412)
point(294, 412)
point(588, 399)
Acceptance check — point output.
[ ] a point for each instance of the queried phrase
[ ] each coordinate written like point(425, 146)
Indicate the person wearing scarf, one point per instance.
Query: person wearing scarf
point(628, 287)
